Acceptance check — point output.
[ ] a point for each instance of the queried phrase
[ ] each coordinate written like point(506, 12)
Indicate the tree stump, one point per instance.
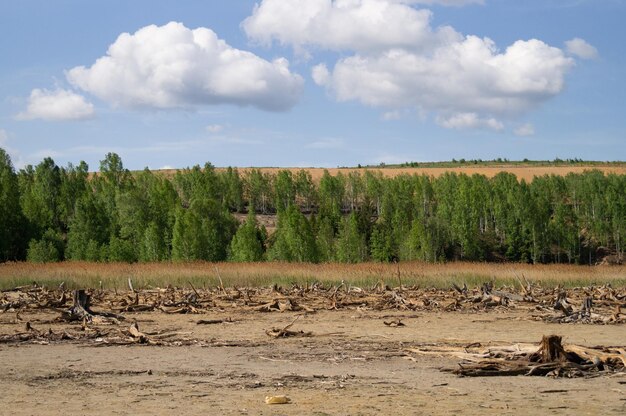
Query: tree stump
point(550, 351)
point(81, 308)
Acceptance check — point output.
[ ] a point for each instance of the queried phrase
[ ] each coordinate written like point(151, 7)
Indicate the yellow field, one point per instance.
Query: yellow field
point(201, 274)
point(521, 171)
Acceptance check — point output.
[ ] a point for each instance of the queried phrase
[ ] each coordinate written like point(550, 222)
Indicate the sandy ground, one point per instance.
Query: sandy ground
point(352, 364)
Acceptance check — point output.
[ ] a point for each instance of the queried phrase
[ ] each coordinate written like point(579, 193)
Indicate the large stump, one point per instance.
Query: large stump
point(550, 351)
point(81, 308)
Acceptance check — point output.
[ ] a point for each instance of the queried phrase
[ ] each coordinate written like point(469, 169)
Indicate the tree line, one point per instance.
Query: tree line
point(52, 213)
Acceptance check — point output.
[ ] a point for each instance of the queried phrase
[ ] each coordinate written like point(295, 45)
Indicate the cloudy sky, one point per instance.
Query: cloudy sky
point(311, 82)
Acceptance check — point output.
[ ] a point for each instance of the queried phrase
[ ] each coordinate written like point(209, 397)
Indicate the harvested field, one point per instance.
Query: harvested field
point(328, 348)
point(526, 172)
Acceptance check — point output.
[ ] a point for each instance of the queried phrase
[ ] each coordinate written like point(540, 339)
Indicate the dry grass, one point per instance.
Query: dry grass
point(200, 274)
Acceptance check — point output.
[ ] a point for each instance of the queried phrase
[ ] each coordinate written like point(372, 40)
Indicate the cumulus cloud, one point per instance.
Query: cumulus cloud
point(57, 105)
point(326, 143)
point(214, 128)
point(581, 48)
point(320, 74)
point(400, 61)
point(361, 25)
point(468, 77)
point(172, 66)
point(391, 115)
point(463, 121)
point(525, 130)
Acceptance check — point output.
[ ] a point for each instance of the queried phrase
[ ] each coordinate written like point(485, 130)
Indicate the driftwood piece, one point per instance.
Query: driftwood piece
point(550, 358)
point(137, 334)
point(394, 323)
point(214, 321)
point(286, 332)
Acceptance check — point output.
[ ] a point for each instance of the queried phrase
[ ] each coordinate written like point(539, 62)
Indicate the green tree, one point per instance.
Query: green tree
point(233, 190)
point(284, 190)
point(325, 240)
point(351, 243)
point(40, 190)
point(89, 234)
point(12, 244)
point(294, 239)
point(202, 232)
point(74, 184)
point(381, 245)
point(305, 190)
point(331, 193)
point(257, 187)
point(248, 242)
point(49, 248)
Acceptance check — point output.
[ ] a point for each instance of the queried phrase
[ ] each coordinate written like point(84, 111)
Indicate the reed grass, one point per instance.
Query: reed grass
point(202, 274)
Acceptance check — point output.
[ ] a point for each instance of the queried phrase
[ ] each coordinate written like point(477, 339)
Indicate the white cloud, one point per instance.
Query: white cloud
point(326, 143)
point(401, 61)
point(581, 48)
point(320, 74)
point(525, 130)
point(57, 105)
point(172, 66)
point(4, 137)
point(392, 115)
point(463, 121)
point(361, 25)
point(224, 139)
point(456, 3)
point(214, 128)
point(471, 76)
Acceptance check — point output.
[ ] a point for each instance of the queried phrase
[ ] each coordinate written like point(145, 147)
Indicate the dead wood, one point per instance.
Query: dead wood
point(552, 358)
point(551, 350)
point(81, 308)
point(462, 291)
point(286, 332)
point(214, 321)
point(394, 323)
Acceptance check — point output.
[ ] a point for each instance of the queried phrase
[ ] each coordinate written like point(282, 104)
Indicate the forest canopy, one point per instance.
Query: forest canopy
point(52, 213)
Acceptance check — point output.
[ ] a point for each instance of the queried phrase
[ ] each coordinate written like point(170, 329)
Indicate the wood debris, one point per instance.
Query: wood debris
point(286, 332)
point(394, 323)
point(549, 358)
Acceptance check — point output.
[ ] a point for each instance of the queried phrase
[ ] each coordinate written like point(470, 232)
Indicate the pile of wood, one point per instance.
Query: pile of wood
point(592, 310)
point(590, 305)
point(549, 358)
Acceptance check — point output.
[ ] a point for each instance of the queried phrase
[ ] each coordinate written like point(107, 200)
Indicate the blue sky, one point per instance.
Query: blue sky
point(311, 82)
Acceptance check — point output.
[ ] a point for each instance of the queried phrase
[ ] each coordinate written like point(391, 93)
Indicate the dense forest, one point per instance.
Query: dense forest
point(52, 213)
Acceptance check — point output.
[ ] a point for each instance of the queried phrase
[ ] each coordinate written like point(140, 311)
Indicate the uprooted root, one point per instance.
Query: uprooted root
point(552, 358)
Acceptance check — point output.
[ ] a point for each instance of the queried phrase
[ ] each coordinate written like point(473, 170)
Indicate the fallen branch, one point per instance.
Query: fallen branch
point(285, 332)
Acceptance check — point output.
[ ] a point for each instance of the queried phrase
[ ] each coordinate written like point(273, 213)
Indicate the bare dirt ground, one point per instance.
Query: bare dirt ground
point(347, 355)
